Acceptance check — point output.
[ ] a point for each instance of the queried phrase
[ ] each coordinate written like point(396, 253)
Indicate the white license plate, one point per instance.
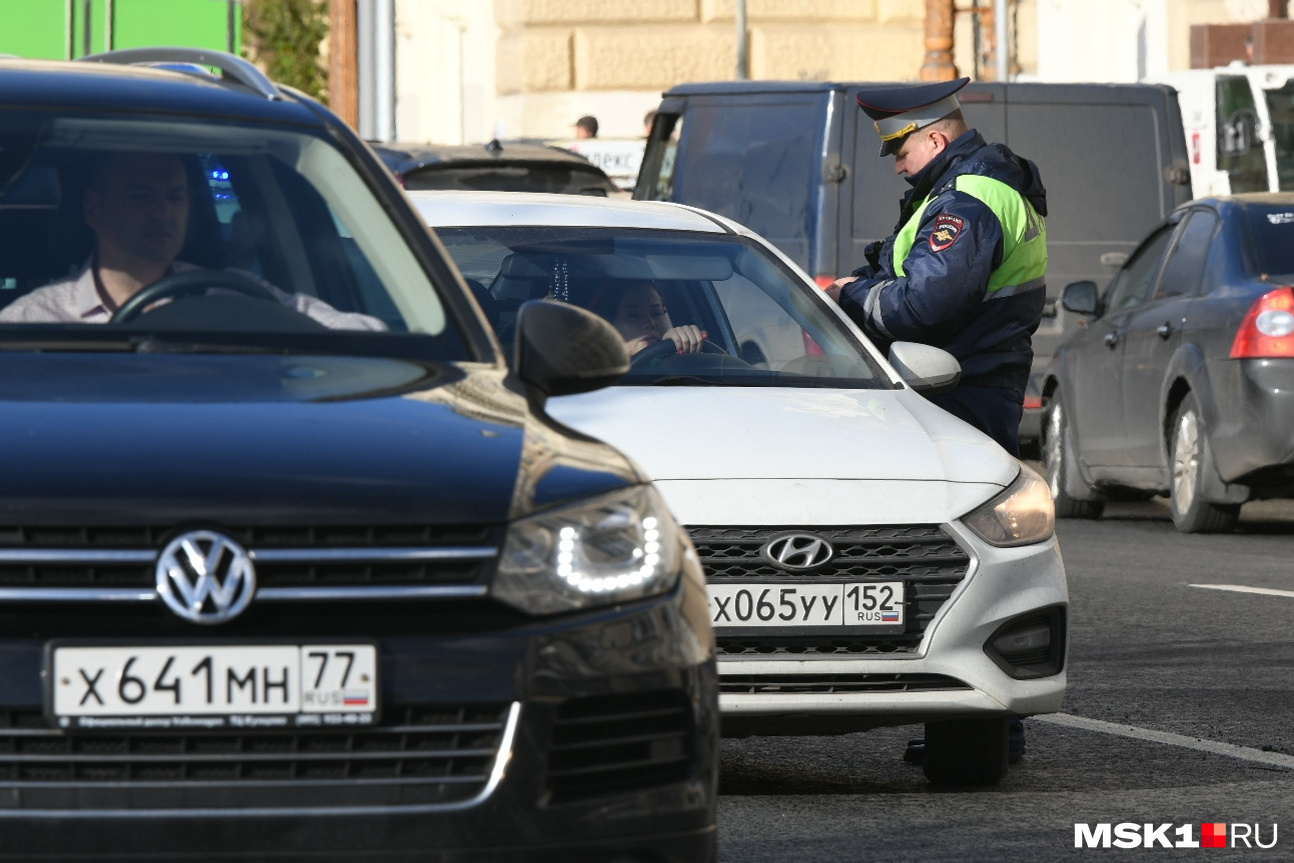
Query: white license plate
point(213, 686)
point(870, 603)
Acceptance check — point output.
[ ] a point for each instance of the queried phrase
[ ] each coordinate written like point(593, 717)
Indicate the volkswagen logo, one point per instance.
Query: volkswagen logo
point(797, 552)
point(205, 577)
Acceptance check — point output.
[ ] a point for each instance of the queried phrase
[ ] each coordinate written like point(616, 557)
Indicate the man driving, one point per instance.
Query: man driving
point(137, 206)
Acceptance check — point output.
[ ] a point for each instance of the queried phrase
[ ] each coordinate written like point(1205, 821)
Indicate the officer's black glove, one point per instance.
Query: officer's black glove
point(872, 252)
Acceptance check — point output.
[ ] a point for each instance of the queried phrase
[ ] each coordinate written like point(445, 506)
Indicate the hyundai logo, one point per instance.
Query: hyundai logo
point(797, 552)
point(205, 577)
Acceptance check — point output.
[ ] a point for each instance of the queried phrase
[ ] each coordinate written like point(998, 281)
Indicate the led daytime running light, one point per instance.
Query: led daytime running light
point(570, 569)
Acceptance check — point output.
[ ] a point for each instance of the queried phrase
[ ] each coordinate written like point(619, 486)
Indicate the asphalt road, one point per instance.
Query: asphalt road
point(1181, 685)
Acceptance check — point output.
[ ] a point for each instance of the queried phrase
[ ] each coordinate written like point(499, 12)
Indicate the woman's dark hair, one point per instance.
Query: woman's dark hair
point(606, 297)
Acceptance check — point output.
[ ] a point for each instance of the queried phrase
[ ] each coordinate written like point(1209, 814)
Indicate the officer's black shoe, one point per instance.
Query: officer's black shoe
point(916, 751)
point(1015, 741)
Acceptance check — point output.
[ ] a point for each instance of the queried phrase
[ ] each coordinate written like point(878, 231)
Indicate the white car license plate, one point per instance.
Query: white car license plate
point(862, 603)
point(213, 686)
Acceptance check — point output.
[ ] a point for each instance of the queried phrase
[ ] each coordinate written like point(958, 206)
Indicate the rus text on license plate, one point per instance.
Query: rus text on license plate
point(169, 687)
point(869, 604)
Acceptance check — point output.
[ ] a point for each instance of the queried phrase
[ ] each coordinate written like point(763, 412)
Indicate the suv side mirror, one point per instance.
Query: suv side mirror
point(562, 350)
point(1079, 298)
point(926, 369)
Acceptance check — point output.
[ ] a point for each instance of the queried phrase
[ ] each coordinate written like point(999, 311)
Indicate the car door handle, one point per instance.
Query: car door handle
point(1111, 340)
point(1165, 330)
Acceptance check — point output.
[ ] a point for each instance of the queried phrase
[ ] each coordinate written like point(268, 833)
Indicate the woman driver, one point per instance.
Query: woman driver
point(638, 312)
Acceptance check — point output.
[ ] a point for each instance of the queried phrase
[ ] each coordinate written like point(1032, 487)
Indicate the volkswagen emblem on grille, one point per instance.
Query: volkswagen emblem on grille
point(205, 577)
point(797, 552)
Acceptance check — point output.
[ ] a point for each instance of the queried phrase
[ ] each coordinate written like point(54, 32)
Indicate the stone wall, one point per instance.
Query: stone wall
point(469, 70)
point(560, 59)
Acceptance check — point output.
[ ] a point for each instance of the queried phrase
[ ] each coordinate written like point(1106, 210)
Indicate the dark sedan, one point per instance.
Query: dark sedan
point(495, 167)
point(1180, 379)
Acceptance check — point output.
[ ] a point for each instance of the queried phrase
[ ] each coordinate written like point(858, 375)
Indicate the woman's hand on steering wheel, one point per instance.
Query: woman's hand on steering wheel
point(687, 339)
point(654, 353)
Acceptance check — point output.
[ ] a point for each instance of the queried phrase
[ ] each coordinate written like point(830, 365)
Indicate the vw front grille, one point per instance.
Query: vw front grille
point(87, 564)
point(428, 755)
point(614, 743)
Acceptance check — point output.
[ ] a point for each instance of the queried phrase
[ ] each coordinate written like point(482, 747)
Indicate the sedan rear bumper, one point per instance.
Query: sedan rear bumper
point(1252, 429)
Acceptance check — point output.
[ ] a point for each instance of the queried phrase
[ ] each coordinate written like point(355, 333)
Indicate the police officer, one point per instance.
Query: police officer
point(964, 269)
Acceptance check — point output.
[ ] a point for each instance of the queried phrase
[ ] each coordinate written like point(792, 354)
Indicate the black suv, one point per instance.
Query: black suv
point(291, 564)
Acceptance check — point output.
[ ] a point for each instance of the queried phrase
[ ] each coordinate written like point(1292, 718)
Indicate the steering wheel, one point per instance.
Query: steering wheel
point(188, 283)
point(654, 354)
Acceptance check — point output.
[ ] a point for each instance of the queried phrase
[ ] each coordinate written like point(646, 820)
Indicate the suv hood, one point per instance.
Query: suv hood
point(110, 438)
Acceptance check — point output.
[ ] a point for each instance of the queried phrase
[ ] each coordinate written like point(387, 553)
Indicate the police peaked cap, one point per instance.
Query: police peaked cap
point(899, 111)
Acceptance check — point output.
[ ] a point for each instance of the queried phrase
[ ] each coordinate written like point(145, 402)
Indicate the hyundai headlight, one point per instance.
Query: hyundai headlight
point(613, 548)
point(1022, 514)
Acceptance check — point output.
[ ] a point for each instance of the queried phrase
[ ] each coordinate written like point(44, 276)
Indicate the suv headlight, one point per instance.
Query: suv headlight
point(611, 549)
point(1022, 514)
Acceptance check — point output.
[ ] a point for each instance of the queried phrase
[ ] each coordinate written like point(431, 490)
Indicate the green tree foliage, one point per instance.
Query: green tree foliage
point(284, 37)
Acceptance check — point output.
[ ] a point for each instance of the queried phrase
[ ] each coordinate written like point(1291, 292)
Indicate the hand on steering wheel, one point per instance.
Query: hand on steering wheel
point(689, 338)
point(190, 282)
point(665, 348)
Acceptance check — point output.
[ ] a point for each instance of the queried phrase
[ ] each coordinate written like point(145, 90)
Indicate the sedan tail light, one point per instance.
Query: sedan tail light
point(1268, 328)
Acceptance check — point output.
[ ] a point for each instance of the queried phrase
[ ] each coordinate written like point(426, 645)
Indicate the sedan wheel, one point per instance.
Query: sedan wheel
point(1073, 498)
point(967, 752)
point(1190, 460)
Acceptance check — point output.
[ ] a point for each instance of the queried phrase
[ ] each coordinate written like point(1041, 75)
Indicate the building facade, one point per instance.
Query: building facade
point(1127, 40)
point(468, 71)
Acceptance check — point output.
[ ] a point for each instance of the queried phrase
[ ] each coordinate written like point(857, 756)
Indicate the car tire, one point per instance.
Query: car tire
point(1190, 460)
point(1124, 494)
point(967, 752)
point(1061, 466)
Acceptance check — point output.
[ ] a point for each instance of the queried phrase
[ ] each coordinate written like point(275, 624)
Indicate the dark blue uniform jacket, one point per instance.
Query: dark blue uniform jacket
point(940, 300)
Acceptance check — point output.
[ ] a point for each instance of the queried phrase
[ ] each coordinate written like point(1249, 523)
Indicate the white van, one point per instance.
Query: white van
point(1239, 124)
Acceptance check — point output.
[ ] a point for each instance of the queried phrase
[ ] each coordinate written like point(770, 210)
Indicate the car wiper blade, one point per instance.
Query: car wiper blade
point(55, 345)
point(683, 381)
point(154, 345)
point(133, 344)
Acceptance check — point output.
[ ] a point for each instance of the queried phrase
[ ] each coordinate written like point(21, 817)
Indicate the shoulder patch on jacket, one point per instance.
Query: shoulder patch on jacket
point(946, 231)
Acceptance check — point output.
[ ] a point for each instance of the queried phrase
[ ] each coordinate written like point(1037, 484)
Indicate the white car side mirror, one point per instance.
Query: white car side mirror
point(924, 368)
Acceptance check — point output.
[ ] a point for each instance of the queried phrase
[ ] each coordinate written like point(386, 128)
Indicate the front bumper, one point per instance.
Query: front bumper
point(632, 687)
point(947, 673)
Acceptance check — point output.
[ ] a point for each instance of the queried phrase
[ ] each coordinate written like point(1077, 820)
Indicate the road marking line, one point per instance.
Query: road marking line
point(1240, 588)
point(1275, 759)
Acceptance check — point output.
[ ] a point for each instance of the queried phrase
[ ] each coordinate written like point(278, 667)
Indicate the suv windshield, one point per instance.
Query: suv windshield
point(762, 326)
point(266, 235)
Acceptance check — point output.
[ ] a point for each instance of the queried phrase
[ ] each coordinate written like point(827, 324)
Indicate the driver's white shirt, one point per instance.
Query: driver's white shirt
point(76, 300)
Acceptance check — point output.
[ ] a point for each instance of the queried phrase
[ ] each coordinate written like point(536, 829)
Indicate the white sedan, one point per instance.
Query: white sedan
point(871, 560)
